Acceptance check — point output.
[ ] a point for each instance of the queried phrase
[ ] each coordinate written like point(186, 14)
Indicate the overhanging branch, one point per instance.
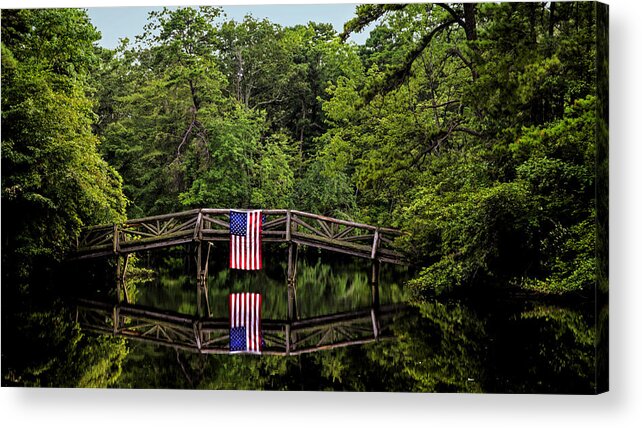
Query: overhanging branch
point(397, 75)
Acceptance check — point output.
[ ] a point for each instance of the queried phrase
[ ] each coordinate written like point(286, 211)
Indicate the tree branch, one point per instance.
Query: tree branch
point(366, 14)
point(180, 363)
point(397, 75)
point(444, 104)
point(189, 131)
point(274, 100)
point(468, 131)
point(435, 143)
point(456, 52)
point(452, 13)
point(468, 23)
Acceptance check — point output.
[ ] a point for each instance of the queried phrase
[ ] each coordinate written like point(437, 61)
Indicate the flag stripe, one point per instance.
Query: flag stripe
point(246, 244)
point(250, 241)
point(255, 229)
point(253, 247)
point(257, 343)
point(252, 321)
point(258, 323)
point(252, 324)
point(237, 306)
point(246, 321)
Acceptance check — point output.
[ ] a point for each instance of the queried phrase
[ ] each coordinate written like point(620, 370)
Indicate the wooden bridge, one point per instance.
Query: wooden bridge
point(202, 227)
point(211, 335)
point(211, 225)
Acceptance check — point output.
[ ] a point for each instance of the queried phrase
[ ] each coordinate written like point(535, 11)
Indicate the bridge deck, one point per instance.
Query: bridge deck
point(212, 225)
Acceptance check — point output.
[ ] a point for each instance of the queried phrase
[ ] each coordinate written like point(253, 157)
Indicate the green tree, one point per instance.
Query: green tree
point(168, 77)
point(179, 135)
point(473, 128)
point(54, 182)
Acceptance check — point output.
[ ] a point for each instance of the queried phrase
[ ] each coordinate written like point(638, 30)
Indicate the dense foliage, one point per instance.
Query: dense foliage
point(472, 127)
point(54, 181)
point(479, 140)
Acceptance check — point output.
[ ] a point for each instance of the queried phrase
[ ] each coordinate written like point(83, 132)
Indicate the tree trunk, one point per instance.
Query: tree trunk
point(470, 21)
point(551, 20)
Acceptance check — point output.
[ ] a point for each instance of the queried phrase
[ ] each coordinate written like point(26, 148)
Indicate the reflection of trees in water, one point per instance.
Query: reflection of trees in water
point(49, 350)
point(440, 347)
point(325, 284)
point(495, 348)
point(558, 341)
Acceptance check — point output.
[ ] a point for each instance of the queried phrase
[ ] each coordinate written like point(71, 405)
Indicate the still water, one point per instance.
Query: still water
point(455, 345)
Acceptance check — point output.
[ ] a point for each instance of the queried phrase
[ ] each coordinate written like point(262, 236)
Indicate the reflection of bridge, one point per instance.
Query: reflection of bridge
point(207, 225)
point(211, 225)
point(211, 335)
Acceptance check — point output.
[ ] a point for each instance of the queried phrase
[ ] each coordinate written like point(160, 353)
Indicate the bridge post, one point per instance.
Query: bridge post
point(288, 228)
point(288, 329)
point(374, 291)
point(116, 318)
point(199, 285)
point(374, 283)
point(202, 267)
point(121, 278)
point(291, 280)
point(290, 336)
point(118, 276)
point(206, 270)
point(116, 251)
point(375, 244)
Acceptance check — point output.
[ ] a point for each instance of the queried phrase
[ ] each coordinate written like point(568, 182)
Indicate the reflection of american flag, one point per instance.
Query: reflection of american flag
point(245, 240)
point(245, 323)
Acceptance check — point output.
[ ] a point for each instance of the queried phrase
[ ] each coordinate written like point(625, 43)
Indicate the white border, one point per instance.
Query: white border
point(620, 407)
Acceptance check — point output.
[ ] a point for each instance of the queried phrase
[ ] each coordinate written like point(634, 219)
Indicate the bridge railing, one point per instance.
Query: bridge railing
point(211, 225)
point(211, 335)
point(357, 239)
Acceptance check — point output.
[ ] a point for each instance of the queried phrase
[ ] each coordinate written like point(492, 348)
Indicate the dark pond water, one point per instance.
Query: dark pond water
point(474, 345)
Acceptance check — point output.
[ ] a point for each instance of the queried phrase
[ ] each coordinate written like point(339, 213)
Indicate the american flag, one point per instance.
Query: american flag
point(245, 323)
point(245, 240)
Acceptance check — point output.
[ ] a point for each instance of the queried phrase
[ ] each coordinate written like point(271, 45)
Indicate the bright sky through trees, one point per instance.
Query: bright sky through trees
point(116, 23)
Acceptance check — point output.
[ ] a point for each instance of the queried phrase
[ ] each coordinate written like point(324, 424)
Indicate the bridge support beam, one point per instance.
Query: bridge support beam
point(374, 292)
point(292, 259)
point(122, 277)
point(118, 284)
point(290, 337)
point(121, 272)
point(202, 270)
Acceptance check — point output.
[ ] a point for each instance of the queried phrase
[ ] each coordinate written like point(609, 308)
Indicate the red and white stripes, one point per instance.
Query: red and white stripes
point(245, 251)
point(245, 311)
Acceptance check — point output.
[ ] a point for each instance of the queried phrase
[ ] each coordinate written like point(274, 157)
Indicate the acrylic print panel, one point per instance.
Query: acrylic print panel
point(432, 181)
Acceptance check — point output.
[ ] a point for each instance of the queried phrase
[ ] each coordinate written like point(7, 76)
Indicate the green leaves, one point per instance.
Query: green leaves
point(478, 138)
point(477, 236)
point(55, 40)
point(54, 182)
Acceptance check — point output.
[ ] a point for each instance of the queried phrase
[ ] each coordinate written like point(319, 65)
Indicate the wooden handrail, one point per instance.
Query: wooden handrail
point(162, 216)
point(227, 210)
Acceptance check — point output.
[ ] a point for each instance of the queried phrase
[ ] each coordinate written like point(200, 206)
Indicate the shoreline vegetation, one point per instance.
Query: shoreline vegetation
point(477, 129)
